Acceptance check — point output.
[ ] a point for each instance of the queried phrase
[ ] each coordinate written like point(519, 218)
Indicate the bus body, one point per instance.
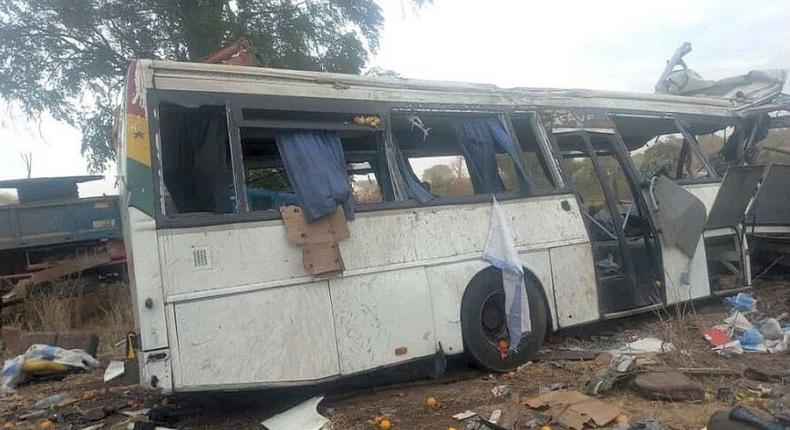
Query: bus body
point(222, 298)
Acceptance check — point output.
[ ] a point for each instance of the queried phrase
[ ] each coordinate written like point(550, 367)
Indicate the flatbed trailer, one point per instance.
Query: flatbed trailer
point(53, 233)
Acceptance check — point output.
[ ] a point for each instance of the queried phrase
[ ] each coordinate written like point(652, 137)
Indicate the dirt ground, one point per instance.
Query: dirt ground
point(401, 396)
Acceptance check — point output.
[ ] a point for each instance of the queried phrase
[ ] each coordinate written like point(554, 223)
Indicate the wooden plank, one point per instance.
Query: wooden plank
point(59, 270)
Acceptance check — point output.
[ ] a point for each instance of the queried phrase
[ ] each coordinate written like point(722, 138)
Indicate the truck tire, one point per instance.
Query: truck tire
point(484, 324)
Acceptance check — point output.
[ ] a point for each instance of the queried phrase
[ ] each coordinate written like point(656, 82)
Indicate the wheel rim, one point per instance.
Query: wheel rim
point(493, 319)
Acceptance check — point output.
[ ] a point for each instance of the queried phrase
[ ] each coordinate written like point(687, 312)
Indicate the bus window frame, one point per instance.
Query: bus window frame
point(235, 104)
point(681, 125)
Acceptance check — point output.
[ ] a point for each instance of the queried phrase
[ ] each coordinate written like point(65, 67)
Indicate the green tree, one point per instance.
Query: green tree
point(449, 180)
point(441, 177)
point(775, 147)
point(69, 57)
point(662, 154)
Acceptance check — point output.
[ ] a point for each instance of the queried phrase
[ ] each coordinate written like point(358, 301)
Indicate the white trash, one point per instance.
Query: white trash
point(12, 373)
point(114, 369)
point(300, 417)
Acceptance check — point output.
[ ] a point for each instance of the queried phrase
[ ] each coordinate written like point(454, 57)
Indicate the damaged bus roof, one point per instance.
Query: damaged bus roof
point(182, 76)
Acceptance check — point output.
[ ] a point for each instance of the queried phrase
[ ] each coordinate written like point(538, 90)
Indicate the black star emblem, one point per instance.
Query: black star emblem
point(138, 134)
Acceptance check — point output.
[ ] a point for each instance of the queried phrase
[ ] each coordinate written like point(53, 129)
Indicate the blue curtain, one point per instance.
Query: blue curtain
point(477, 137)
point(414, 188)
point(316, 169)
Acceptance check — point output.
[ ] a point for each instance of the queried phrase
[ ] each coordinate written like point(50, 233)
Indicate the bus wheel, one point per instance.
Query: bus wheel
point(484, 323)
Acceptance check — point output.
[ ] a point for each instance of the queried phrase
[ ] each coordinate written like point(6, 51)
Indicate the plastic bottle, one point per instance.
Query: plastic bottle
point(50, 401)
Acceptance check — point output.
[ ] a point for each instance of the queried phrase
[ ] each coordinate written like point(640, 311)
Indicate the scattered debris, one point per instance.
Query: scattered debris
point(725, 395)
point(14, 369)
point(738, 334)
point(114, 369)
point(741, 418)
point(761, 376)
point(496, 415)
point(74, 339)
point(50, 401)
point(729, 349)
point(645, 345)
point(669, 386)
point(500, 391)
point(573, 355)
point(716, 336)
point(743, 302)
point(573, 409)
point(465, 415)
point(647, 424)
point(137, 413)
point(303, 416)
point(771, 329)
point(553, 387)
point(752, 340)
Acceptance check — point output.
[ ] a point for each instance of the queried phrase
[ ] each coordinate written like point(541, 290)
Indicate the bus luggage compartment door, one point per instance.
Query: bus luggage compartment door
point(256, 338)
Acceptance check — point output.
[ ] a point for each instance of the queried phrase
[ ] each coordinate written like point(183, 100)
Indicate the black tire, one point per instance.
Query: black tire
point(481, 333)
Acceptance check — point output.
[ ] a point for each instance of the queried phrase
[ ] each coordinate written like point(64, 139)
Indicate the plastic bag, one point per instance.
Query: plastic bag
point(742, 302)
point(12, 373)
point(752, 340)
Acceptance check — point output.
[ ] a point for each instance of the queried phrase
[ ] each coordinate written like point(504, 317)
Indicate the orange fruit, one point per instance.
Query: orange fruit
point(511, 375)
point(46, 425)
point(451, 428)
point(545, 428)
point(385, 424)
point(503, 344)
point(88, 395)
point(431, 402)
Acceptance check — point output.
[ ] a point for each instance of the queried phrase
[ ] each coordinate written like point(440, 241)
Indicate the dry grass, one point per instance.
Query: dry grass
point(680, 325)
point(104, 309)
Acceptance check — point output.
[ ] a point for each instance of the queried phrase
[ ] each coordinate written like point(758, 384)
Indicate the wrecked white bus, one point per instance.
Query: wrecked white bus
point(232, 289)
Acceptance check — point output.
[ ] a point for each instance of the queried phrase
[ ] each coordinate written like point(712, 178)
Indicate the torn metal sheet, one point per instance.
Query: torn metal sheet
point(737, 189)
point(754, 87)
point(300, 417)
point(114, 369)
point(681, 215)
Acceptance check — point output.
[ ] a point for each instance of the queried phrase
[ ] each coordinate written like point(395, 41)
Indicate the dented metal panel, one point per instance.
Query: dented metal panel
point(235, 257)
point(257, 80)
point(575, 290)
point(146, 280)
point(260, 337)
point(426, 235)
point(382, 318)
point(687, 279)
point(410, 287)
point(736, 190)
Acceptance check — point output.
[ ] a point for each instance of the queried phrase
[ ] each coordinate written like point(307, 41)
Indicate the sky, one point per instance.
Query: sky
point(613, 45)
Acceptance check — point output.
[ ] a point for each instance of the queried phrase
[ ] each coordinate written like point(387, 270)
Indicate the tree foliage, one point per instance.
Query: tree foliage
point(69, 57)
point(7, 198)
point(449, 179)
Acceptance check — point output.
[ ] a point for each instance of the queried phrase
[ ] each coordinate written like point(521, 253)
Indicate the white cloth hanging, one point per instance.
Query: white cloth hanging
point(500, 251)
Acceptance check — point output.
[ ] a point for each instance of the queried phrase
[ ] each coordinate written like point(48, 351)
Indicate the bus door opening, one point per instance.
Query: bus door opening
point(621, 236)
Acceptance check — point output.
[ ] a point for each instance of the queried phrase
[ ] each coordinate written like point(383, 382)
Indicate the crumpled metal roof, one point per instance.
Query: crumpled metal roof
point(756, 87)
